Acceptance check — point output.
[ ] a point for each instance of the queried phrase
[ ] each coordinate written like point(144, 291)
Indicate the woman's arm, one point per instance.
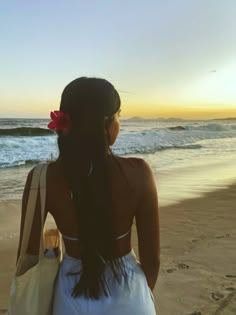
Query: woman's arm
point(33, 246)
point(147, 223)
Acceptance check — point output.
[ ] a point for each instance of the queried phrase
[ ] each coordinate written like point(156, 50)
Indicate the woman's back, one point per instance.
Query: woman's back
point(126, 178)
point(94, 197)
point(129, 177)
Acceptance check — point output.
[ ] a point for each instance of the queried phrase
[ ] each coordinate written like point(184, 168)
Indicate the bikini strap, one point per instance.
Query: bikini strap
point(77, 239)
point(70, 238)
point(122, 236)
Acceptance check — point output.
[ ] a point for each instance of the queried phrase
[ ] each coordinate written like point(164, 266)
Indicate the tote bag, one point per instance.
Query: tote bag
point(33, 284)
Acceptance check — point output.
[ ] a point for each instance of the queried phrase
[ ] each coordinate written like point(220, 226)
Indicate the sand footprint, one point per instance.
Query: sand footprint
point(223, 236)
point(229, 290)
point(170, 270)
point(182, 266)
point(230, 276)
point(195, 313)
point(217, 296)
point(179, 266)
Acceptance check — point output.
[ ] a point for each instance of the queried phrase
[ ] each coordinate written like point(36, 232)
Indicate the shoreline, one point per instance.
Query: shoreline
point(198, 260)
point(173, 185)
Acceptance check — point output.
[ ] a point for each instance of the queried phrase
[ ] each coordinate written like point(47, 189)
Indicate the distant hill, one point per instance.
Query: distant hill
point(135, 118)
point(174, 118)
point(229, 118)
point(153, 118)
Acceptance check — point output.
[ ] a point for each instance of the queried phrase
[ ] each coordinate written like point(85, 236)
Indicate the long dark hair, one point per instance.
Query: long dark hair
point(84, 153)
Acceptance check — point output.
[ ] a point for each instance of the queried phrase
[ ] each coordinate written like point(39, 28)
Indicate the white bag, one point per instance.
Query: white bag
point(33, 284)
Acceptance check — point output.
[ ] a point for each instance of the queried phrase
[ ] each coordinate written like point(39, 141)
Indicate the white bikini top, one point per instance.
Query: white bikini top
point(77, 239)
point(101, 257)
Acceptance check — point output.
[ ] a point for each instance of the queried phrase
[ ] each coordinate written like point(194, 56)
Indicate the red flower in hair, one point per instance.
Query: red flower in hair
point(60, 121)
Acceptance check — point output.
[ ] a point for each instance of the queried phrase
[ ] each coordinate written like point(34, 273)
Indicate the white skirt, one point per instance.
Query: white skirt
point(133, 297)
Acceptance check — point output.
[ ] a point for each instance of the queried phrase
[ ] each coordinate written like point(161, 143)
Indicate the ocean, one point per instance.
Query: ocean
point(187, 156)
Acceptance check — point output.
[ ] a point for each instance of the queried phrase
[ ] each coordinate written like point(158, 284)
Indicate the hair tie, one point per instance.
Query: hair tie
point(60, 122)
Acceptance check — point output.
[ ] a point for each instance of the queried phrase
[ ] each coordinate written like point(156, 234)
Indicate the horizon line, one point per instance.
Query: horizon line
point(137, 117)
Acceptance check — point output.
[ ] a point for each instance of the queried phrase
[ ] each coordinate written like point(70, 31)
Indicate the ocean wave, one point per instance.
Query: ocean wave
point(37, 131)
point(20, 163)
point(119, 150)
point(174, 147)
point(26, 132)
point(146, 138)
point(212, 127)
point(189, 146)
point(177, 128)
point(154, 148)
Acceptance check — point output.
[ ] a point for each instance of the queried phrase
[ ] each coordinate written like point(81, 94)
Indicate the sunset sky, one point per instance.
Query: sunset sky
point(167, 58)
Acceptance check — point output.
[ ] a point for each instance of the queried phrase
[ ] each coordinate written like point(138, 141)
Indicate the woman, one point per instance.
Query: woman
point(94, 197)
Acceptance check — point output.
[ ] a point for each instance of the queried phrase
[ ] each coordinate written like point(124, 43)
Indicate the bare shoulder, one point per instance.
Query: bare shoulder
point(136, 168)
point(134, 163)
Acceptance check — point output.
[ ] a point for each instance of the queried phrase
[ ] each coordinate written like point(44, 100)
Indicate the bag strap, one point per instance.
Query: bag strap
point(30, 211)
point(43, 189)
point(43, 181)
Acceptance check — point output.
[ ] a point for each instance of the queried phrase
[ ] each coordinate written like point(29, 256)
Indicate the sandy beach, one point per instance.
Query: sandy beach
point(198, 254)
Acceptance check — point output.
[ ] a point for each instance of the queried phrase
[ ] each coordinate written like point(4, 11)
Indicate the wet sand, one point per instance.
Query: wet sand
point(198, 254)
